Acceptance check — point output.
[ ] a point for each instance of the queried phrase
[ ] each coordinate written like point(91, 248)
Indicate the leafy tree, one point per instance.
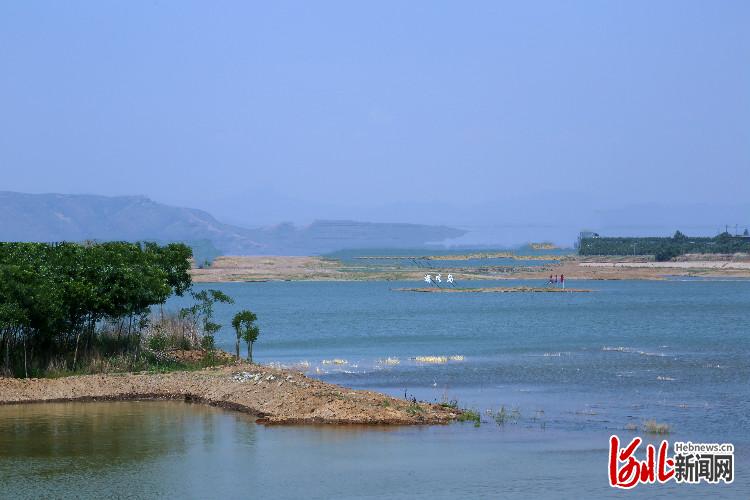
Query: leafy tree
point(246, 329)
point(53, 296)
point(174, 259)
point(666, 254)
point(204, 311)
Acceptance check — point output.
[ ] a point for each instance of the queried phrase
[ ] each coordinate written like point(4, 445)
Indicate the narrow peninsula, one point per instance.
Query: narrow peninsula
point(274, 396)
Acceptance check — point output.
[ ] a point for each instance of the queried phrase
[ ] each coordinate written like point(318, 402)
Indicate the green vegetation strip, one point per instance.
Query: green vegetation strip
point(664, 249)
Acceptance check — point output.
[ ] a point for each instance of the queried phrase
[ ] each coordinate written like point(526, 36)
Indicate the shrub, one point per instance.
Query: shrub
point(157, 342)
point(501, 416)
point(653, 427)
point(77, 288)
point(453, 403)
point(207, 342)
point(470, 416)
point(666, 254)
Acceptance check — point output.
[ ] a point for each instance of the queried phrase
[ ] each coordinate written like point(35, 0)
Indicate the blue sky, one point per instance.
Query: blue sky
point(607, 114)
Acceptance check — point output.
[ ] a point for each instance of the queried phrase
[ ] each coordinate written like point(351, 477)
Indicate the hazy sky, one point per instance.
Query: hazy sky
point(471, 113)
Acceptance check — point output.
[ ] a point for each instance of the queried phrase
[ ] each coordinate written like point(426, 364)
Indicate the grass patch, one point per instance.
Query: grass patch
point(654, 427)
point(464, 414)
point(503, 416)
point(147, 361)
point(414, 409)
point(470, 416)
point(452, 404)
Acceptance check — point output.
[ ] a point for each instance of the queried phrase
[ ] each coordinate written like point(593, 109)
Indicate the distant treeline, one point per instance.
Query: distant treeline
point(662, 248)
point(53, 297)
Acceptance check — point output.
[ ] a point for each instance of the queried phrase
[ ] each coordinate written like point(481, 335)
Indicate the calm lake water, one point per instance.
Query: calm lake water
point(571, 369)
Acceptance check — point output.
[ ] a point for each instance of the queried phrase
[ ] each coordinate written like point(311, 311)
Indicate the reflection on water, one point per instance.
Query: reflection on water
point(576, 368)
point(104, 432)
point(68, 449)
point(178, 450)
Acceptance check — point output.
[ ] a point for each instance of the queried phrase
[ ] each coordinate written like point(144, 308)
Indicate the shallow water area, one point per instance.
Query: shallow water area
point(168, 449)
point(567, 369)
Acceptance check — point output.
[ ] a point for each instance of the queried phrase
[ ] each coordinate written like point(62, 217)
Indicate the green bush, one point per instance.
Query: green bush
point(54, 298)
point(470, 416)
point(157, 342)
point(207, 342)
point(666, 254)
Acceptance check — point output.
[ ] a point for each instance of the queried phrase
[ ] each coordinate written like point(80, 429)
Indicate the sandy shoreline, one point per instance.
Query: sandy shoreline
point(672, 265)
point(274, 396)
point(496, 289)
point(280, 268)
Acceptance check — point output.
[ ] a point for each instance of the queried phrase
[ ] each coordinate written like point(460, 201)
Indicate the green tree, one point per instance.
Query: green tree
point(53, 297)
point(204, 311)
point(246, 329)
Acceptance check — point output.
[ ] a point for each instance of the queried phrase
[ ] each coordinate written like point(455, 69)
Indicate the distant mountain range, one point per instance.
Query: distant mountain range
point(62, 217)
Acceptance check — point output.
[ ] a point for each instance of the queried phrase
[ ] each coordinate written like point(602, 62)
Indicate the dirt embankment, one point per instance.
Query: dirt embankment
point(268, 268)
point(640, 268)
point(274, 396)
point(275, 268)
point(494, 289)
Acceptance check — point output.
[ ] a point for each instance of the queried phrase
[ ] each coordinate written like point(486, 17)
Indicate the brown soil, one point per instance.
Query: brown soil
point(274, 396)
point(268, 268)
point(494, 289)
point(638, 268)
point(255, 268)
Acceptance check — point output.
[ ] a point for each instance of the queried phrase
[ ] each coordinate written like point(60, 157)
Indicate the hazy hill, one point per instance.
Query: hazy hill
point(330, 235)
point(57, 217)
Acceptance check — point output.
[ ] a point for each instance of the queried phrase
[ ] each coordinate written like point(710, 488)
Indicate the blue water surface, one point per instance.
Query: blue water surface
point(568, 370)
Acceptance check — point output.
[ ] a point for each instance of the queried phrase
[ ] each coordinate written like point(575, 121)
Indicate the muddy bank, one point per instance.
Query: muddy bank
point(495, 289)
point(275, 268)
point(274, 396)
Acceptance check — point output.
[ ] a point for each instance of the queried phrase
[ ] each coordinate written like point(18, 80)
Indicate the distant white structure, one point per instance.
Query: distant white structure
point(427, 278)
point(438, 278)
point(450, 278)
